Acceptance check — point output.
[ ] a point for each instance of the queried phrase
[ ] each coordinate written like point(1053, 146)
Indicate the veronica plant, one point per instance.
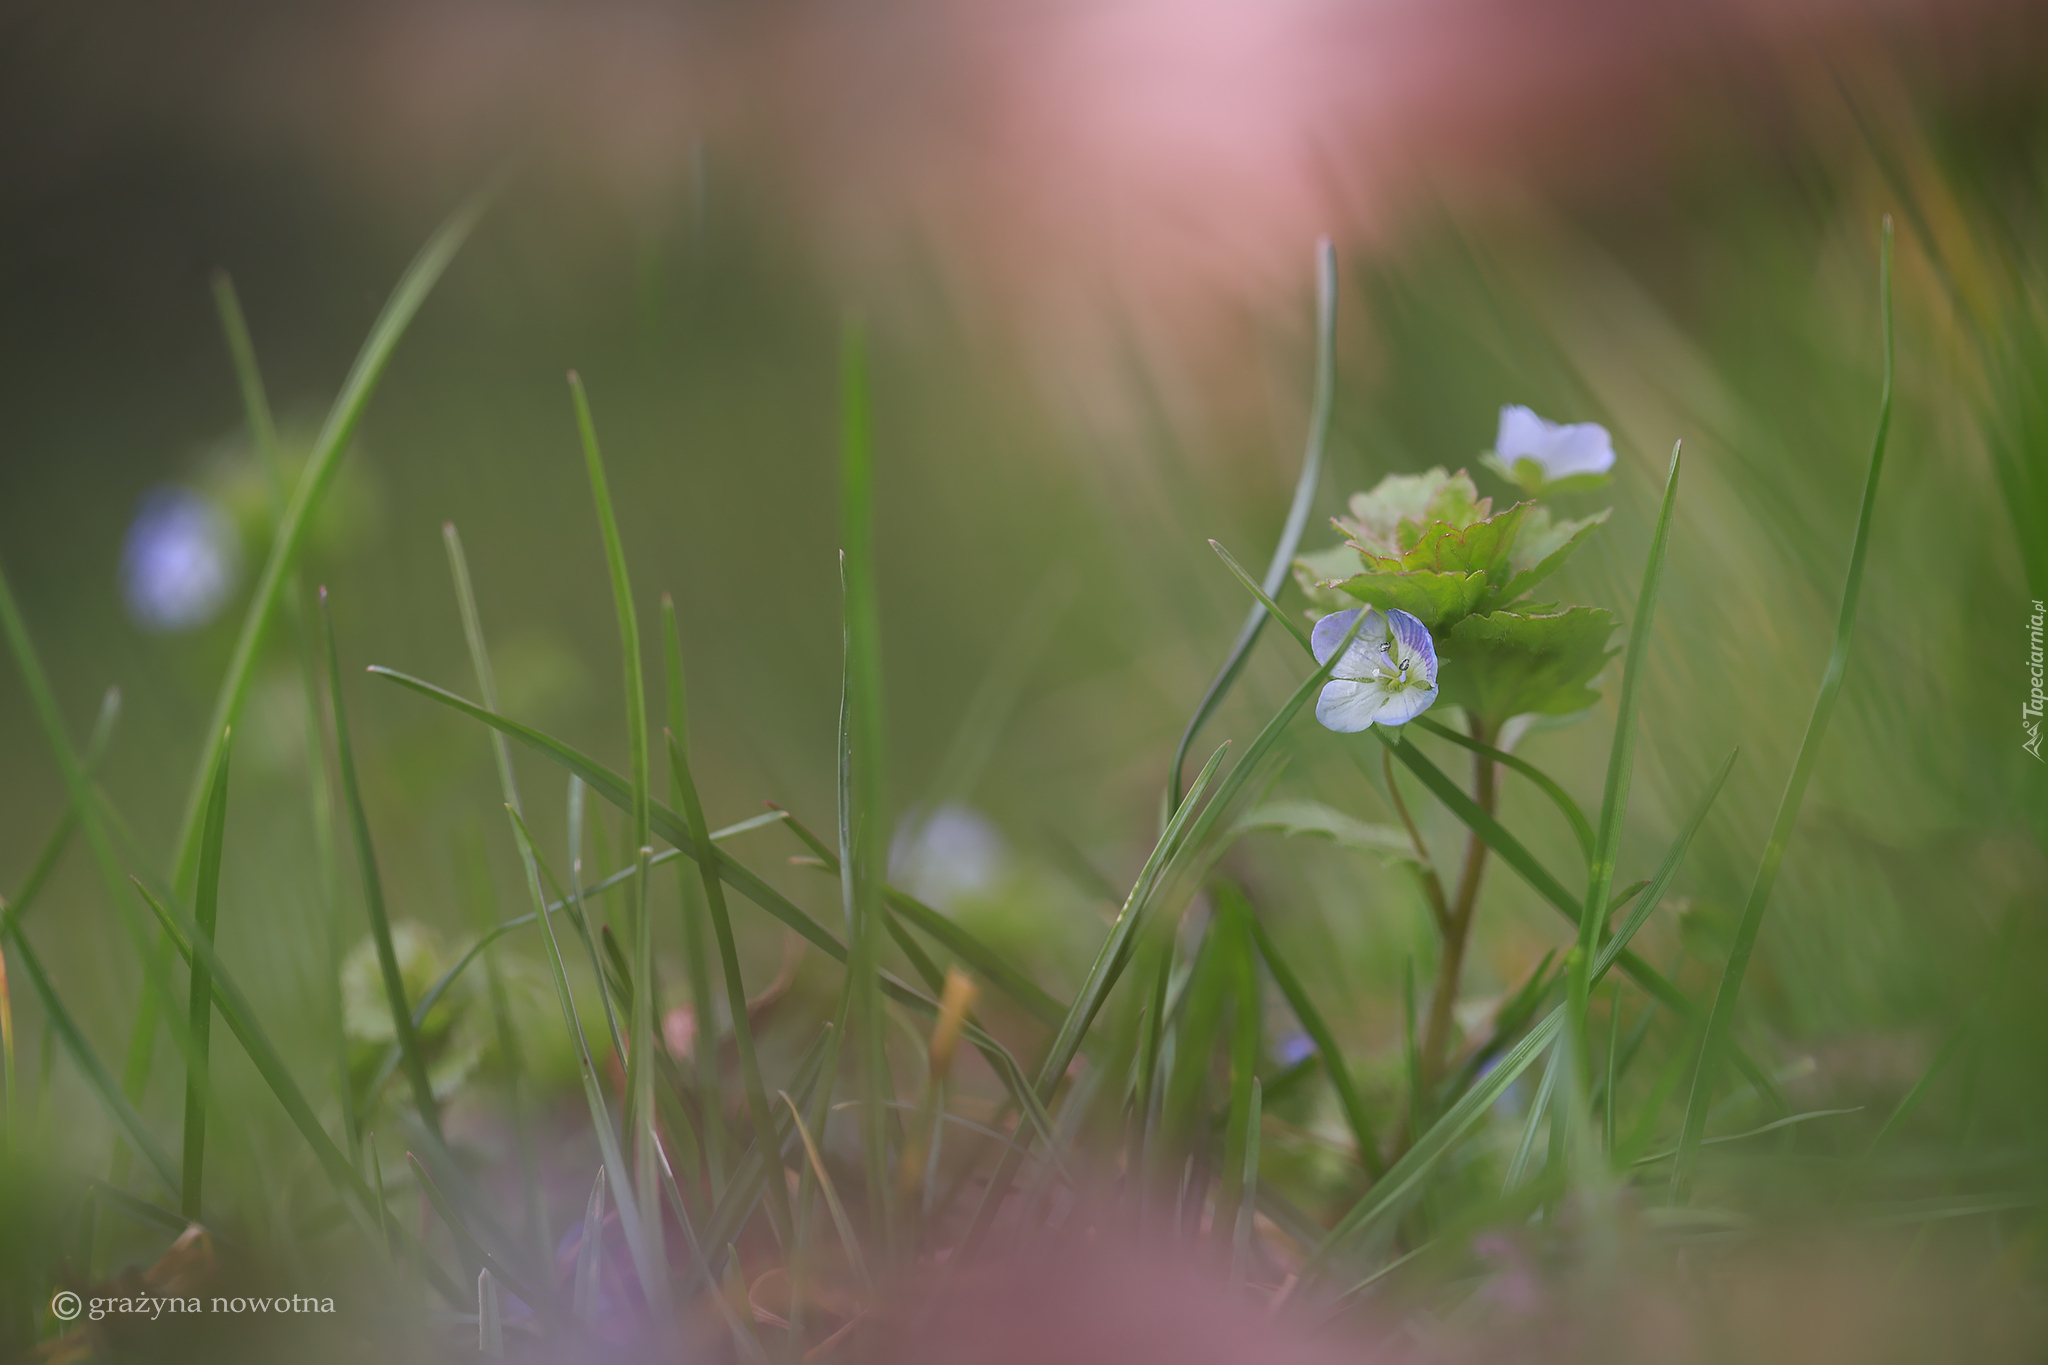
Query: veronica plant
point(1447, 583)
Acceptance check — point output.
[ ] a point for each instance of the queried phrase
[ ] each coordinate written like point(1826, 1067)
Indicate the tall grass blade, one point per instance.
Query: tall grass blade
point(466, 1241)
point(862, 832)
point(1338, 1070)
point(696, 955)
point(1614, 799)
point(849, 1240)
point(1721, 1021)
point(1243, 965)
point(1248, 1190)
point(412, 1058)
point(590, 1257)
point(206, 911)
point(490, 1328)
point(735, 985)
point(1297, 514)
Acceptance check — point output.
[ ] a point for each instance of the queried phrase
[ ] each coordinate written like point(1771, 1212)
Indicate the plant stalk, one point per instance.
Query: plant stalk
point(1457, 929)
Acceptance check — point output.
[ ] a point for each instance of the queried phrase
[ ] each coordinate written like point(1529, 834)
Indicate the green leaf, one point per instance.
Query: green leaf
point(1511, 663)
point(1387, 842)
point(1320, 572)
point(1474, 547)
point(1535, 481)
point(1375, 518)
point(200, 1003)
point(1542, 548)
point(1434, 598)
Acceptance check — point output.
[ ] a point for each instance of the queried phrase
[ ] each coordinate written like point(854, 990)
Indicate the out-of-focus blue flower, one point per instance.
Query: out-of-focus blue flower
point(1561, 449)
point(1386, 677)
point(1293, 1049)
point(946, 855)
point(180, 561)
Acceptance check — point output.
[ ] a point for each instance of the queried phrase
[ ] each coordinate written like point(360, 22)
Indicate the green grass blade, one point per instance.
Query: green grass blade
point(1405, 1176)
point(11, 912)
point(863, 833)
point(328, 448)
point(206, 912)
point(735, 985)
point(472, 1250)
point(1653, 893)
point(590, 1257)
point(644, 1266)
point(849, 1241)
point(1311, 1020)
point(1614, 798)
point(1243, 964)
point(1518, 1166)
point(412, 1058)
point(696, 955)
point(1911, 1099)
point(249, 379)
point(234, 1011)
point(59, 1021)
point(1721, 1021)
point(640, 1034)
point(1516, 855)
point(1297, 514)
point(1248, 1188)
point(1264, 599)
point(1582, 829)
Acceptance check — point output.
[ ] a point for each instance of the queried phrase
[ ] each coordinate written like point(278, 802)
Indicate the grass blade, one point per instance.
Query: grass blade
point(640, 1061)
point(861, 818)
point(644, 1265)
point(590, 1257)
point(1653, 893)
point(1614, 798)
point(849, 1242)
point(206, 910)
point(1721, 1020)
point(696, 956)
point(1248, 1187)
point(472, 1250)
point(411, 1057)
point(1297, 514)
point(735, 984)
point(1311, 1020)
point(490, 1331)
point(328, 447)
point(1239, 1137)
point(1582, 830)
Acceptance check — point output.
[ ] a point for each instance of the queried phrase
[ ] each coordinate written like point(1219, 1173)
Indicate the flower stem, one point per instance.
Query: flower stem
point(1457, 928)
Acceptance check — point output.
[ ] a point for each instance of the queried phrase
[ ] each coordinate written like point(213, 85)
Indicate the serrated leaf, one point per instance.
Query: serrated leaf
point(1375, 516)
point(1480, 546)
point(1543, 546)
point(1435, 599)
point(1457, 502)
point(1315, 818)
point(1316, 570)
point(1508, 663)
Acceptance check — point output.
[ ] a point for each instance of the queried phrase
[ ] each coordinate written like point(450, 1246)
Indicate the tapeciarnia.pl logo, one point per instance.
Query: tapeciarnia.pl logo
point(2030, 713)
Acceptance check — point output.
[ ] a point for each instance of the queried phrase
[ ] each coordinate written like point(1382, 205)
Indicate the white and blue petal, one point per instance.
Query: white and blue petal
point(1410, 647)
point(1347, 705)
point(1404, 705)
point(1562, 450)
point(1367, 650)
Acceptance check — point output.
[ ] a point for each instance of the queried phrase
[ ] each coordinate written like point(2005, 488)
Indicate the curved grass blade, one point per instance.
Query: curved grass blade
point(590, 1256)
point(849, 1241)
point(644, 1265)
point(412, 1058)
point(1653, 892)
point(1720, 1022)
point(1614, 798)
point(640, 1063)
point(241, 1021)
point(206, 911)
point(735, 985)
point(1582, 830)
point(333, 441)
point(1297, 514)
point(1391, 1192)
point(1311, 1020)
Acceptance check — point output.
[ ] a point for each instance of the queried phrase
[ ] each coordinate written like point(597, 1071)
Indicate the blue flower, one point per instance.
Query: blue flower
point(1387, 676)
point(180, 561)
point(1560, 450)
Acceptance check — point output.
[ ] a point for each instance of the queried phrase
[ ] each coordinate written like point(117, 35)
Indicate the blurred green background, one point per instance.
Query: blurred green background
point(1721, 290)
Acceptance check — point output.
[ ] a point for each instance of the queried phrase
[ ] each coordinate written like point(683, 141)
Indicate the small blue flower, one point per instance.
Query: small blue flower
point(1386, 677)
point(180, 561)
point(1561, 450)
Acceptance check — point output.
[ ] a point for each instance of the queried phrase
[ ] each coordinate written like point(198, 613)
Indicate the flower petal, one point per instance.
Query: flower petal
point(1411, 642)
point(1346, 706)
point(1522, 432)
point(1584, 448)
point(1367, 647)
point(1401, 707)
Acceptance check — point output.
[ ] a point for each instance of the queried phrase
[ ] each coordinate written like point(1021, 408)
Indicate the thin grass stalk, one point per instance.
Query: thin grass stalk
point(696, 954)
point(412, 1057)
point(1297, 515)
point(862, 835)
point(1721, 1020)
point(199, 1008)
